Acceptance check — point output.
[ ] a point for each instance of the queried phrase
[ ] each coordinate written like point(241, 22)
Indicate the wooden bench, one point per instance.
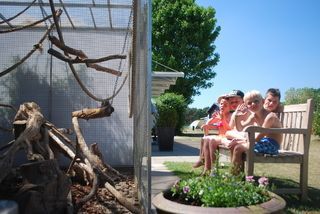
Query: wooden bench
point(294, 149)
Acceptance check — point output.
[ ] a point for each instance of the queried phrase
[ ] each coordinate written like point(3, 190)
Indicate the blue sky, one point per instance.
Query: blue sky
point(263, 44)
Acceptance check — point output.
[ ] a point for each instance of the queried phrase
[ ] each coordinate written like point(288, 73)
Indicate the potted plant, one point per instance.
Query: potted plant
point(222, 192)
point(167, 119)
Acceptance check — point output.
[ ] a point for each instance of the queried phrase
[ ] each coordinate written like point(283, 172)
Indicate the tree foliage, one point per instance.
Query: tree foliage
point(193, 114)
point(183, 38)
point(300, 95)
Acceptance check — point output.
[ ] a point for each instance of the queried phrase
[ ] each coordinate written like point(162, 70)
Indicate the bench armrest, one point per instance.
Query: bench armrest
point(253, 129)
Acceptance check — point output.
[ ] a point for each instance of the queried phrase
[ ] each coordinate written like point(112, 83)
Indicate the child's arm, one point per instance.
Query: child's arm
point(271, 121)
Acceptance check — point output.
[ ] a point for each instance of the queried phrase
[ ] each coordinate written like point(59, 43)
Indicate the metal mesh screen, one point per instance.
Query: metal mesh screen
point(99, 28)
point(49, 82)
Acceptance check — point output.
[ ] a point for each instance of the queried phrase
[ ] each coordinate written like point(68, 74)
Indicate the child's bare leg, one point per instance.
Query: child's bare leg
point(201, 156)
point(213, 145)
point(237, 161)
point(207, 158)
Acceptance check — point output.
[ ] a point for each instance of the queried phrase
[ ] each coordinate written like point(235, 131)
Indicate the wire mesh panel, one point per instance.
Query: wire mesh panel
point(49, 82)
point(99, 29)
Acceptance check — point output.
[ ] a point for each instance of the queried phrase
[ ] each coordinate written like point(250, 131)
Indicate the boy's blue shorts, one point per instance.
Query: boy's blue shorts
point(267, 146)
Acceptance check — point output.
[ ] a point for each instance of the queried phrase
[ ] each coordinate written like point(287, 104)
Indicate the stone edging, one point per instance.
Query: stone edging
point(275, 205)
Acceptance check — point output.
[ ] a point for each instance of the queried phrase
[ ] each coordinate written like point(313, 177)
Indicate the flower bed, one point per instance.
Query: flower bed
point(221, 193)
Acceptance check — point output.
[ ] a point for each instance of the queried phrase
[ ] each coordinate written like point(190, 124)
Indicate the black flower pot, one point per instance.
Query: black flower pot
point(165, 138)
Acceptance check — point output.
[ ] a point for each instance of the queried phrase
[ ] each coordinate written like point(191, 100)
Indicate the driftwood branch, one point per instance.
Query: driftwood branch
point(66, 48)
point(129, 205)
point(76, 76)
point(30, 127)
point(107, 168)
point(104, 69)
point(93, 159)
point(58, 132)
point(94, 189)
point(88, 62)
point(30, 134)
point(70, 153)
point(79, 53)
point(92, 113)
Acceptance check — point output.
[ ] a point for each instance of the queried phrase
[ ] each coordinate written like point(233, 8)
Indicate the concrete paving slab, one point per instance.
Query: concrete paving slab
point(185, 149)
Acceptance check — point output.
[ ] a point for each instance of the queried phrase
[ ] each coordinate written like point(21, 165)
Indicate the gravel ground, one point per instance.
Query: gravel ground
point(104, 201)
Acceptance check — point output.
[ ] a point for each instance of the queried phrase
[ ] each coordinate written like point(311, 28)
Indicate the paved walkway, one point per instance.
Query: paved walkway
point(184, 149)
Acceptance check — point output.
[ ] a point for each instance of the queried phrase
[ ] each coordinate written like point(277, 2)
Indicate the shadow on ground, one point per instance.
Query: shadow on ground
point(179, 149)
point(294, 204)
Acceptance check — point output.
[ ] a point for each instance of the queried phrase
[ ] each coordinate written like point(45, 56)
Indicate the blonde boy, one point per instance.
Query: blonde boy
point(267, 143)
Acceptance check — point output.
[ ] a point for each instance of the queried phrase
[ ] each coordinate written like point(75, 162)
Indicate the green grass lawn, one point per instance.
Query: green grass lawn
point(281, 175)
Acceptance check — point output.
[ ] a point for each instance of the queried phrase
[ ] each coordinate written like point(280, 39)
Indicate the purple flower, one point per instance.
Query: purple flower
point(250, 179)
point(186, 189)
point(263, 181)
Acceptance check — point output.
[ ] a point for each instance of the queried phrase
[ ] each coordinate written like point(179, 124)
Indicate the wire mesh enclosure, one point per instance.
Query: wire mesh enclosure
point(112, 63)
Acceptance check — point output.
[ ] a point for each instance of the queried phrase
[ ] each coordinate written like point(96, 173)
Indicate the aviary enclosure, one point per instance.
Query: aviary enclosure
point(75, 90)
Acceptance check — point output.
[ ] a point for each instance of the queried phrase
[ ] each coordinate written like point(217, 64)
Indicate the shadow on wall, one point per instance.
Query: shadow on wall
point(32, 83)
point(24, 84)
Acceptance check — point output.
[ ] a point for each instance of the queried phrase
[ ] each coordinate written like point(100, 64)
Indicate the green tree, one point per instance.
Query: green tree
point(183, 38)
point(193, 114)
point(300, 95)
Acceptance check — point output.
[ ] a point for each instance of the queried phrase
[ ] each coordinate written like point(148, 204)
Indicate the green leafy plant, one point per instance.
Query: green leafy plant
point(170, 109)
point(221, 190)
point(167, 116)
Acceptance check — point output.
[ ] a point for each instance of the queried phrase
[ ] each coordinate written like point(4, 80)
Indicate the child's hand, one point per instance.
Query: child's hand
point(216, 115)
point(242, 109)
point(234, 142)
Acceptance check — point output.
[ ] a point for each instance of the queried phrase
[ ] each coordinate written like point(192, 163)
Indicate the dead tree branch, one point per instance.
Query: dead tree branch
point(76, 76)
point(89, 62)
point(65, 48)
point(129, 205)
point(30, 134)
point(103, 69)
point(71, 153)
point(93, 159)
point(91, 113)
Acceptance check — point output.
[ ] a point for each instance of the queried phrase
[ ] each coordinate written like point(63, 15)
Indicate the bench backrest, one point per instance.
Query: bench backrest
point(297, 116)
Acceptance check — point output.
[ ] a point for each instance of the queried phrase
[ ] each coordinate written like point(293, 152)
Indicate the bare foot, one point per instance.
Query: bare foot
point(205, 172)
point(197, 164)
